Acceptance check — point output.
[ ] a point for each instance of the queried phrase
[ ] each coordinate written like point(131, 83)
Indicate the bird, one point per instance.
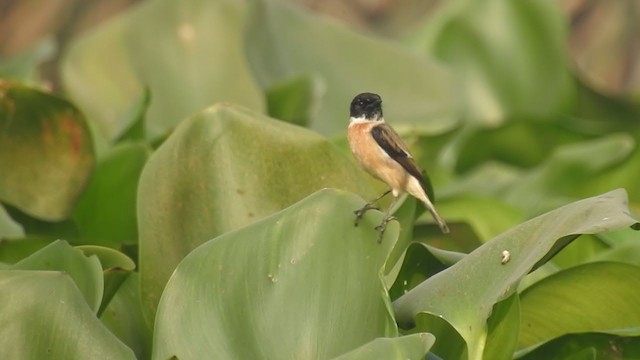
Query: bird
point(383, 154)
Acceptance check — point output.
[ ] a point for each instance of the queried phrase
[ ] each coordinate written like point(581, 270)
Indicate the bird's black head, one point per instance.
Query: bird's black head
point(368, 105)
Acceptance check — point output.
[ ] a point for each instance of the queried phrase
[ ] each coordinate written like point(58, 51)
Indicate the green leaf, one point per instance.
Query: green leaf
point(557, 179)
point(625, 172)
point(123, 317)
point(465, 293)
point(405, 215)
point(578, 252)
point(85, 271)
point(46, 153)
point(14, 250)
point(9, 228)
point(449, 344)
point(522, 142)
point(408, 347)
point(222, 169)
point(487, 216)
point(44, 316)
point(271, 290)
point(509, 56)
point(589, 346)
point(628, 253)
point(116, 267)
point(138, 114)
point(36, 228)
point(295, 100)
point(502, 329)
point(279, 47)
point(418, 263)
point(594, 297)
point(189, 54)
point(106, 211)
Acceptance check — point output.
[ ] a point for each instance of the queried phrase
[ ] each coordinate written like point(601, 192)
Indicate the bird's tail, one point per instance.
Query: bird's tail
point(415, 188)
point(443, 225)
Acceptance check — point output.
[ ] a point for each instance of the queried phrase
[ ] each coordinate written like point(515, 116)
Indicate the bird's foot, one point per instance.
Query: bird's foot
point(360, 212)
point(383, 226)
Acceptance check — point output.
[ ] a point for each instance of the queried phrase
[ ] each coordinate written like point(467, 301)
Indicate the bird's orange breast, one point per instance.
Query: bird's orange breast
point(373, 159)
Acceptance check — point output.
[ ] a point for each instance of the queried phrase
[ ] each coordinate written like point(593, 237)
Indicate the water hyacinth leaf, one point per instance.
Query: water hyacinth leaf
point(594, 297)
point(280, 164)
point(106, 211)
point(410, 347)
point(628, 253)
point(295, 100)
point(242, 295)
point(487, 216)
point(138, 114)
point(418, 263)
point(84, 270)
point(557, 179)
point(46, 152)
point(55, 320)
point(586, 346)
point(509, 56)
point(449, 344)
point(123, 317)
point(14, 250)
point(502, 329)
point(624, 173)
point(196, 46)
point(521, 143)
point(414, 89)
point(9, 228)
point(116, 268)
point(36, 228)
point(465, 293)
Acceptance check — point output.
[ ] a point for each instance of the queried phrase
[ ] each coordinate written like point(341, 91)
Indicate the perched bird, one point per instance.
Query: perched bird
point(382, 153)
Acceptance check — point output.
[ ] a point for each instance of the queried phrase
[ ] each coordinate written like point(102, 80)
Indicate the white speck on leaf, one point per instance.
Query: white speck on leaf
point(505, 257)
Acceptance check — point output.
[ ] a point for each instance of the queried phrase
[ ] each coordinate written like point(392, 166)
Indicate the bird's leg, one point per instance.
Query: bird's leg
point(385, 220)
point(368, 206)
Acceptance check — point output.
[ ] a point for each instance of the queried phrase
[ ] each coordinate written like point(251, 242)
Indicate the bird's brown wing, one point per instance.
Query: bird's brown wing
point(393, 145)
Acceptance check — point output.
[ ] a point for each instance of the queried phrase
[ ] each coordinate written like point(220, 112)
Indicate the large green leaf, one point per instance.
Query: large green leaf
point(188, 53)
point(509, 56)
point(411, 347)
point(594, 297)
point(44, 316)
point(465, 293)
point(304, 283)
point(106, 211)
point(222, 169)
point(123, 317)
point(284, 42)
point(85, 271)
point(46, 153)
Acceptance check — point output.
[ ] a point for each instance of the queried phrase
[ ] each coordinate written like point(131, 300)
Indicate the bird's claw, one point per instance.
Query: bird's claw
point(360, 212)
point(383, 226)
